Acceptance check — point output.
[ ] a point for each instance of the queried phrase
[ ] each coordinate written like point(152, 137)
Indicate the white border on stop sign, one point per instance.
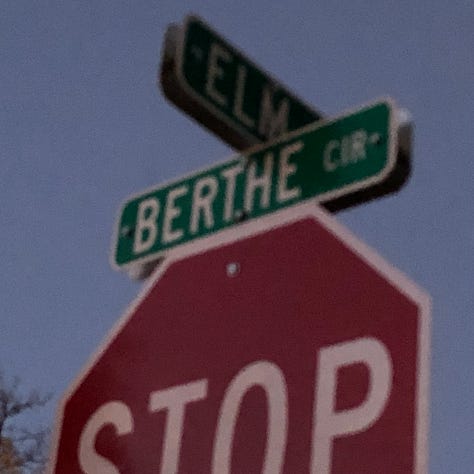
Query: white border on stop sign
point(252, 228)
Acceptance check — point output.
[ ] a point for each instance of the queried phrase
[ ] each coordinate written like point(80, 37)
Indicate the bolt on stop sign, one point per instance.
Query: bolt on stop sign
point(282, 346)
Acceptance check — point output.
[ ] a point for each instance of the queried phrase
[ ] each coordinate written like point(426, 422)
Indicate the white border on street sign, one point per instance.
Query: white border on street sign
point(258, 226)
point(335, 193)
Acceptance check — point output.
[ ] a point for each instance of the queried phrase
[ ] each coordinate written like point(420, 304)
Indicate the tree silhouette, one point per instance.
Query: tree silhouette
point(22, 449)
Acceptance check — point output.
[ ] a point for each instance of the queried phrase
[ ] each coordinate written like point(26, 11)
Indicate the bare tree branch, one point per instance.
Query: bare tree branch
point(22, 450)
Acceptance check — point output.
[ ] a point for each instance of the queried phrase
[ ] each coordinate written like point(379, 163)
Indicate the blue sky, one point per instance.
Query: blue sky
point(83, 125)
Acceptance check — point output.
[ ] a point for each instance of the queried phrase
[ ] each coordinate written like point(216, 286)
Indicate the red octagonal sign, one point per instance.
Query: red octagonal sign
point(285, 346)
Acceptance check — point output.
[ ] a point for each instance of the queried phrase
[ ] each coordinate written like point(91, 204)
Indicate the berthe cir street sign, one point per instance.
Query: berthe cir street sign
point(322, 161)
point(283, 346)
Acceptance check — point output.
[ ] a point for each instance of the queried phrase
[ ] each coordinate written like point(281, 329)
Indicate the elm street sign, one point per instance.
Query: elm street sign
point(220, 87)
point(212, 81)
point(322, 161)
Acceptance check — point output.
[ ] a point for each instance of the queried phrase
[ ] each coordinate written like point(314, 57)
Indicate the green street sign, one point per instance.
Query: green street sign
point(324, 161)
point(213, 82)
point(216, 84)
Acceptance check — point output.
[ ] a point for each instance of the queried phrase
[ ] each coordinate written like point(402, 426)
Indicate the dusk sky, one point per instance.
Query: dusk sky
point(83, 125)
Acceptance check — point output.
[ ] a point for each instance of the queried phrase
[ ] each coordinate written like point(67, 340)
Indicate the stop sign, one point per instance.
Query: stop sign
point(285, 346)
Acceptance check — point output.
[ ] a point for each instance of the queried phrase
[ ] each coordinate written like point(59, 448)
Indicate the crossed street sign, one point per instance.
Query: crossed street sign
point(225, 91)
point(212, 81)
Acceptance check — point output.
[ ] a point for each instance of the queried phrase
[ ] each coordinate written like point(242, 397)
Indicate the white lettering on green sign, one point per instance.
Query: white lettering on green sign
point(211, 80)
point(221, 67)
point(324, 160)
point(203, 195)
